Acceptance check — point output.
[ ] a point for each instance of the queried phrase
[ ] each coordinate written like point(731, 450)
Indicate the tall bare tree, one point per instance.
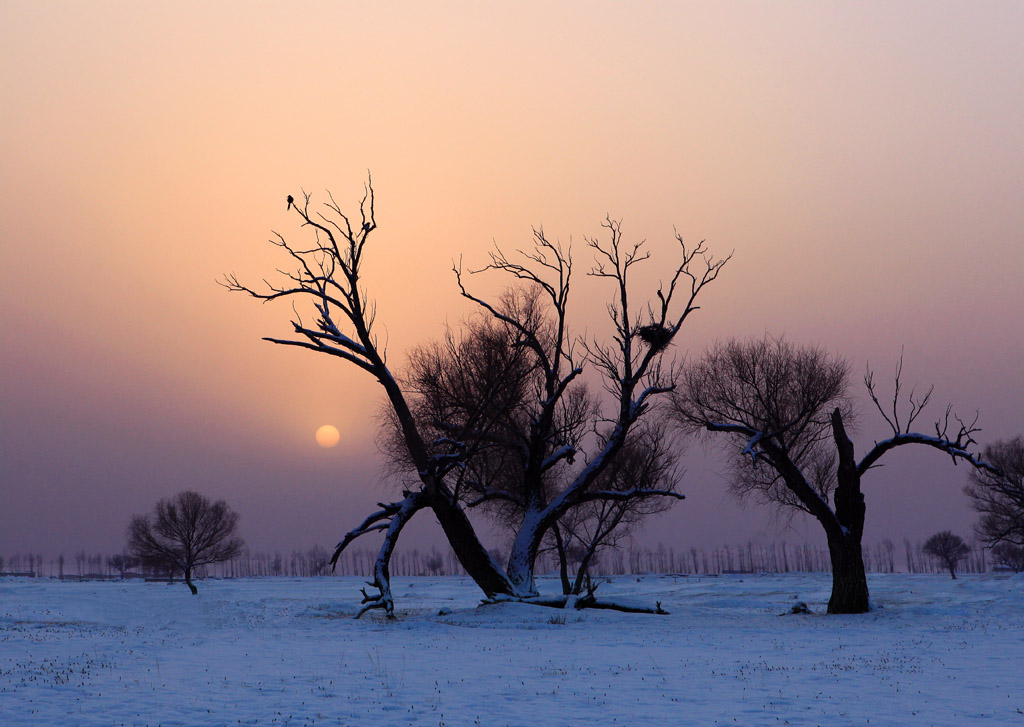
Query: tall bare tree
point(789, 407)
point(998, 494)
point(449, 452)
point(185, 532)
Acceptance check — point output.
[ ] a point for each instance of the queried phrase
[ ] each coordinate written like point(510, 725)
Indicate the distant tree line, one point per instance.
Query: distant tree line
point(779, 557)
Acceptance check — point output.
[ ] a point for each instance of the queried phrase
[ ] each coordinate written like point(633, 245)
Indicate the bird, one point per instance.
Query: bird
point(291, 201)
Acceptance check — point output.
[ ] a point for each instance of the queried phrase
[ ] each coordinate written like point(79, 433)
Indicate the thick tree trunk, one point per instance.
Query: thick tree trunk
point(189, 583)
point(472, 554)
point(849, 581)
point(522, 559)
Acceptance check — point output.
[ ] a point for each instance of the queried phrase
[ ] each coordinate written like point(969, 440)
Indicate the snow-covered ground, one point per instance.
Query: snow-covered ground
point(287, 652)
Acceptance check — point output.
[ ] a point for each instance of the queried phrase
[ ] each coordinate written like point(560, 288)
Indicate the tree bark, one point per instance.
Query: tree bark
point(563, 561)
point(849, 580)
point(472, 555)
point(189, 583)
point(523, 558)
point(581, 572)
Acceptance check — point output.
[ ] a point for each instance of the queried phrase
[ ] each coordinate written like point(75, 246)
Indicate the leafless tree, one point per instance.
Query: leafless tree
point(453, 454)
point(184, 532)
point(790, 408)
point(1009, 555)
point(948, 548)
point(647, 463)
point(998, 494)
point(484, 389)
point(122, 563)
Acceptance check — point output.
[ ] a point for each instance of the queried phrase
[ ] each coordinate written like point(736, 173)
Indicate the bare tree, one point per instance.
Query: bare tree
point(1009, 555)
point(485, 390)
point(948, 548)
point(998, 494)
point(647, 463)
point(122, 563)
point(448, 454)
point(185, 532)
point(789, 406)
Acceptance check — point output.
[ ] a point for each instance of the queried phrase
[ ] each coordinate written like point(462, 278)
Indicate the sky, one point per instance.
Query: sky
point(864, 163)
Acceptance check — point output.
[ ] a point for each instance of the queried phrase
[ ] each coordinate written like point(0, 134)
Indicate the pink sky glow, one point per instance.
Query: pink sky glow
point(864, 161)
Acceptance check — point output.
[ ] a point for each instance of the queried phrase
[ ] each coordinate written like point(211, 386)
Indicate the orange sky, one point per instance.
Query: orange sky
point(865, 161)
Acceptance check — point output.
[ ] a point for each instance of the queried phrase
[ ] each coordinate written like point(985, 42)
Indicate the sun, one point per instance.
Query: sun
point(328, 435)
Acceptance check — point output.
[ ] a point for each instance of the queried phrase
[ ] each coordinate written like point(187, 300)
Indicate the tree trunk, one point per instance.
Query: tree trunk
point(472, 554)
point(382, 566)
point(581, 572)
point(189, 583)
point(849, 581)
point(523, 558)
point(563, 561)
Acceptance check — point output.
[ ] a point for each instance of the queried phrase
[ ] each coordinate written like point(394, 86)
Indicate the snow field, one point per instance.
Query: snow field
point(287, 652)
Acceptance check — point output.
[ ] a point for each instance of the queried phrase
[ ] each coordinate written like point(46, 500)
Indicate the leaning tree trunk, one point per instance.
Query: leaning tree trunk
point(472, 554)
point(849, 581)
point(523, 557)
point(583, 570)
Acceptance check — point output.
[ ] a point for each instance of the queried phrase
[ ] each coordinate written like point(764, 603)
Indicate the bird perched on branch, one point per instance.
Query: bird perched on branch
point(291, 201)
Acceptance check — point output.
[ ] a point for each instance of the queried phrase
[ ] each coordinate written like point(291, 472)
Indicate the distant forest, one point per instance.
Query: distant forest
point(781, 557)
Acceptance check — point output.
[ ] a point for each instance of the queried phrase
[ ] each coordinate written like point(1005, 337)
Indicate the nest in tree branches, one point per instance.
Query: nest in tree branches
point(655, 335)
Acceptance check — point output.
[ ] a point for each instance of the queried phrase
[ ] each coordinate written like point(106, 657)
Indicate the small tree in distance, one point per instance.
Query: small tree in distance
point(183, 533)
point(121, 562)
point(948, 548)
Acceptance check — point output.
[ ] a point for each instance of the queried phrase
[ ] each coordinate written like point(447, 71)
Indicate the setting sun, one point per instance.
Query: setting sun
point(328, 435)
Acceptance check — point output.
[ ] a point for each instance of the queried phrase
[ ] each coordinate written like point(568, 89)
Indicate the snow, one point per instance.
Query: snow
point(287, 652)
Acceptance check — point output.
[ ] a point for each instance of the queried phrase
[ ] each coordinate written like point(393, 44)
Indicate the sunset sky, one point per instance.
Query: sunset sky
point(863, 161)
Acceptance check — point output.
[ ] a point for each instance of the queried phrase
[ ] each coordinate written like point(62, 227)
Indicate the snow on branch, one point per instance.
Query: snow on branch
point(750, 448)
point(566, 451)
point(327, 272)
point(370, 524)
point(631, 494)
point(396, 515)
point(956, 446)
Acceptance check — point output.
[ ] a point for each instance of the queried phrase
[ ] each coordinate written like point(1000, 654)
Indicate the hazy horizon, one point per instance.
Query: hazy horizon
point(864, 162)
